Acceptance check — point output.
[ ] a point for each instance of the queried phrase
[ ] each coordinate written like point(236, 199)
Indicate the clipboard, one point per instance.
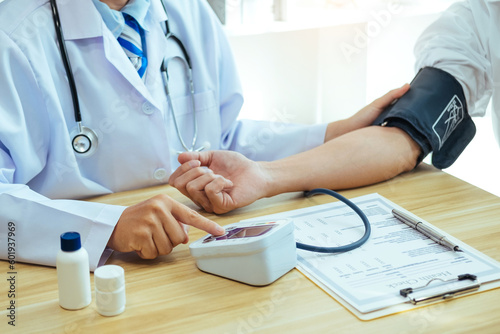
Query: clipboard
point(407, 304)
point(413, 271)
point(447, 289)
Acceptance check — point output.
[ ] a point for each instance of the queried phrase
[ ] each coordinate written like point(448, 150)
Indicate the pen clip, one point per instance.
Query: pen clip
point(452, 292)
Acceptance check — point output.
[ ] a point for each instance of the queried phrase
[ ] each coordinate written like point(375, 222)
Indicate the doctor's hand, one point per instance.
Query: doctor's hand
point(154, 227)
point(366, 116)
point(219, 181)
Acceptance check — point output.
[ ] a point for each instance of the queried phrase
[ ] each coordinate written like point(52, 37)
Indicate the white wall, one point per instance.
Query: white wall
point(310, 74)
point(279, 74)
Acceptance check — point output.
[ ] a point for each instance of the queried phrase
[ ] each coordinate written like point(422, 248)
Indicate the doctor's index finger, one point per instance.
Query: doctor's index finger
point(190, 217)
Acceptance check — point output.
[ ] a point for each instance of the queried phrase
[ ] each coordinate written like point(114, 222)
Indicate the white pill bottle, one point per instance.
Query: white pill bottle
point(73, 273)
point(109, 284)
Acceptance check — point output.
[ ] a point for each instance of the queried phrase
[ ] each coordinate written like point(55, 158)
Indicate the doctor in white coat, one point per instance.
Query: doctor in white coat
point(40, 173)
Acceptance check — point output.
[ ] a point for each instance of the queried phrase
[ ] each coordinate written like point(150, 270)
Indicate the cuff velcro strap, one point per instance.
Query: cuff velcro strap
point(434, 113)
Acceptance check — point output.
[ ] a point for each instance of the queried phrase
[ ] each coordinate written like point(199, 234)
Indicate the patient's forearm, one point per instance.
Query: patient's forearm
point(365, 156)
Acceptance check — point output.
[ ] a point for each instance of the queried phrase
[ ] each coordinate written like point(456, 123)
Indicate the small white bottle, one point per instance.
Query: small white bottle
point(109, 284)
point(73, 273)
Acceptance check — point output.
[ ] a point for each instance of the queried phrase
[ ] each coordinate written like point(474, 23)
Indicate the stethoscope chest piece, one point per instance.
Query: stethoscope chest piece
point(85, 141)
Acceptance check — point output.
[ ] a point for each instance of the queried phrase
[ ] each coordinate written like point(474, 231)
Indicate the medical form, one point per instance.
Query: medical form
point(368, 280)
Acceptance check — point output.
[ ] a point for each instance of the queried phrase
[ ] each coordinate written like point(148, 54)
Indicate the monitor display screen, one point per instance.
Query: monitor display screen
point(242, 232)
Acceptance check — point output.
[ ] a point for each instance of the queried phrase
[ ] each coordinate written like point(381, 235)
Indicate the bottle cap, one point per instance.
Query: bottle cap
point(70, 241)
point(109, 278)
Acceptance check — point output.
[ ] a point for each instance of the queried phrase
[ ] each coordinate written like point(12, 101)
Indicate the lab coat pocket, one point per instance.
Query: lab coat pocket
point(203, 125)
point(203, 101)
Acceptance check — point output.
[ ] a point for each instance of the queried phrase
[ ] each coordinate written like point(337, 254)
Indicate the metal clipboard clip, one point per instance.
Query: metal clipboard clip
point(446, 294)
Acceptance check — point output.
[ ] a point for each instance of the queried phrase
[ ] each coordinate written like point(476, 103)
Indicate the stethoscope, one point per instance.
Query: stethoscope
point(84, 140)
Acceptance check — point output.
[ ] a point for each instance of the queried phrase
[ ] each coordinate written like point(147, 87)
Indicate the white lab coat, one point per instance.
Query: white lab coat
point(39, 172)
point(465, 42)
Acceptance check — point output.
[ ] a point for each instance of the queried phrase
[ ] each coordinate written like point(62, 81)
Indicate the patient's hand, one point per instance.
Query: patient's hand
point(219, 181)
point(366, 116)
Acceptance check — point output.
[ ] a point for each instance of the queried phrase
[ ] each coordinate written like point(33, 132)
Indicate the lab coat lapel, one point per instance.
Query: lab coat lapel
point(120, 61)
point(81, 20)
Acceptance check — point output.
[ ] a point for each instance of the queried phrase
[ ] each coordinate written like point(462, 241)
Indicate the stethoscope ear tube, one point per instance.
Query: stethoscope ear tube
point(66, 63)
point(166, 78)
point(356, 209)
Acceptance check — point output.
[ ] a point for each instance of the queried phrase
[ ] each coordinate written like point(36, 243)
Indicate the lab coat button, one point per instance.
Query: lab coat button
point(148, 108)
point(160, 174)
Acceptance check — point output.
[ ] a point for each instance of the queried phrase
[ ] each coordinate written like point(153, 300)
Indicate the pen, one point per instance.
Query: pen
point(425, 230)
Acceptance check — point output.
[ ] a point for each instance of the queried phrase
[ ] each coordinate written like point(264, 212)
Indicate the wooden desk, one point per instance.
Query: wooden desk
point(170, 295)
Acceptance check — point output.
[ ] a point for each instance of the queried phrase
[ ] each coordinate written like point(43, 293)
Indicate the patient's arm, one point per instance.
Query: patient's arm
point(361, 157)
point(228, 180)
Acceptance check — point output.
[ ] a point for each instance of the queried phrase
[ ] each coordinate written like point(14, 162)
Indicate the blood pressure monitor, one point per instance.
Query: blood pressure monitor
point(260, 252)
point(256, 253)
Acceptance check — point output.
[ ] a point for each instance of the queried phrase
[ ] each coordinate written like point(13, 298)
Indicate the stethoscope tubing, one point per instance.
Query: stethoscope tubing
point(66, 63)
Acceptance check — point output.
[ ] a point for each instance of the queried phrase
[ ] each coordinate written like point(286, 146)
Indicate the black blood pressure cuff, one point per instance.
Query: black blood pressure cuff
point(434, 114)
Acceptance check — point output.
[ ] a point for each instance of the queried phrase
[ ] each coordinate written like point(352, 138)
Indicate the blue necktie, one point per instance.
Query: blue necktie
point(132, 40)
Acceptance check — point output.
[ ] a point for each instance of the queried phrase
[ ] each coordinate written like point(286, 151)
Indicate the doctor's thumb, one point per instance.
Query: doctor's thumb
point(204, 157)
point(187, 156)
